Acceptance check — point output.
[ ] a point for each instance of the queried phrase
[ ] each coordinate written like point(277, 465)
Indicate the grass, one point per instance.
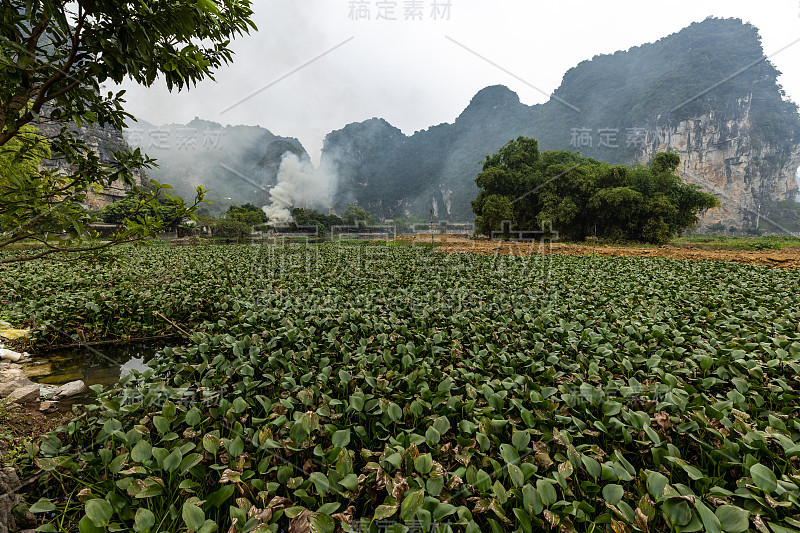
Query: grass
point(724, 242)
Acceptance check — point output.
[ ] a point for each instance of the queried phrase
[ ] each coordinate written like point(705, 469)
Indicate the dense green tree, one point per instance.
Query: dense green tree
point(54, 57)
point(247, 214)
point(355, 215)
point(312, 217)
point(580, 196)
point(230, 228)
point(136, 210)
point(495, 210)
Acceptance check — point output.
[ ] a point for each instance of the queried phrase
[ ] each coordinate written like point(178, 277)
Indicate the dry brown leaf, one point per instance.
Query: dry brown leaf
point(619, 527)
point(640, 520)
point(308, 467)
point(552, 519)
point(400, 486)
point(345, 517)
point(383, 481)
point(482, 505)
point(265, 515)
point(663, 420)
point(455, 481)
point(229, 476)
point(279, 502)
point(760, 525)
point(567, 526)
point(300, 523)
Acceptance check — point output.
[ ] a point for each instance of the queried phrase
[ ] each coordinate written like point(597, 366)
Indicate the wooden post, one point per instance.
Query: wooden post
point(432, 244)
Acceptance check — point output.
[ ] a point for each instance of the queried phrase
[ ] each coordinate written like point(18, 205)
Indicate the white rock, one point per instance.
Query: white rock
point(10, 355)
point(26, 394)
point(70, 389)
point(12, 378)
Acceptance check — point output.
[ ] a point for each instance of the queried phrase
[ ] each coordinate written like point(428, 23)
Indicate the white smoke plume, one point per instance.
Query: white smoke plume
point(299, 185)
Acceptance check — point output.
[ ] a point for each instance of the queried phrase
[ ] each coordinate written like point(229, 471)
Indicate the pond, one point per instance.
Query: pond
point(103, 365)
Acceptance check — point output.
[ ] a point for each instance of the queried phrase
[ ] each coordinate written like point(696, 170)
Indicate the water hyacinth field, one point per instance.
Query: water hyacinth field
point(376, 388)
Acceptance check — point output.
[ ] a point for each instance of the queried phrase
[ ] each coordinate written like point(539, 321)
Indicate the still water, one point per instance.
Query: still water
point(103, 365)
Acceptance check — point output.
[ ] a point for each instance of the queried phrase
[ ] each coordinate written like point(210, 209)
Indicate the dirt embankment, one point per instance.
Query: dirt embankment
point(786, 258)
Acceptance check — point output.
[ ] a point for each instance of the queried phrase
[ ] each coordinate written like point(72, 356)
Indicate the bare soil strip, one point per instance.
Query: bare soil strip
point(786, 258)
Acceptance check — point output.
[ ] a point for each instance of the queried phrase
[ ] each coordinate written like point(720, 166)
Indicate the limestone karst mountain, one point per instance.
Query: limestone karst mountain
point(707, 91)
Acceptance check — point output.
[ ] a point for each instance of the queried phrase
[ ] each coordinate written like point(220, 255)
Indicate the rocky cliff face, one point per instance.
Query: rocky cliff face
point(103, 141)
point(720, 153)
point(738, 136)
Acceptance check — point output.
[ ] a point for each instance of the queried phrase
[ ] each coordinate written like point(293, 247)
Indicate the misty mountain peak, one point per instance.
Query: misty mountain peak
point(491, 97)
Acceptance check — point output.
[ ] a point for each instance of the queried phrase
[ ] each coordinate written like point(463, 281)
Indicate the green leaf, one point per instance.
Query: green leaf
point(385, 511)
point(678, 511)
point(520, 440)
point(218, 498)
point(733, 519)
point(509, 454)
point(42, 506)
point(320, 482)
point(656, 483)
point(442, 425)
point(764, 478)
point(592, 466)
point(161, 424)
point(193, 516)
point(87, 526)
point(357, 401)
point(145, 519)
point(321, 523)
point(432, 436)
point(173, 460)
point(395, 412)
point(350, 482)
point(710, 522)
point(516, 475)
point(611, 408)
point(235, 447)
point(189, 462)
point(434, 485)
point(547, 492)
point(211, 443)
point(483, 482)
point(423, 463)
point(613, 493)
point(297, 433)
point(142, 451)
point(341, 438)
point(99, 512)
point(193, 416)
point(209, 526)
point(411, 503)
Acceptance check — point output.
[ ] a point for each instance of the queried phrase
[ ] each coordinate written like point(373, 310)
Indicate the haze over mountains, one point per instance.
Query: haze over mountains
point(706, 91)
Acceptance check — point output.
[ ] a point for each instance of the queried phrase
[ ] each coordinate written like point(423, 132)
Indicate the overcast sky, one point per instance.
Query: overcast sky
point(417, 73)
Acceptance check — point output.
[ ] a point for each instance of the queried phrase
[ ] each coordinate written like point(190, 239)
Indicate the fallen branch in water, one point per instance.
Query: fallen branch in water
point(176, 326)
point(107, 342)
